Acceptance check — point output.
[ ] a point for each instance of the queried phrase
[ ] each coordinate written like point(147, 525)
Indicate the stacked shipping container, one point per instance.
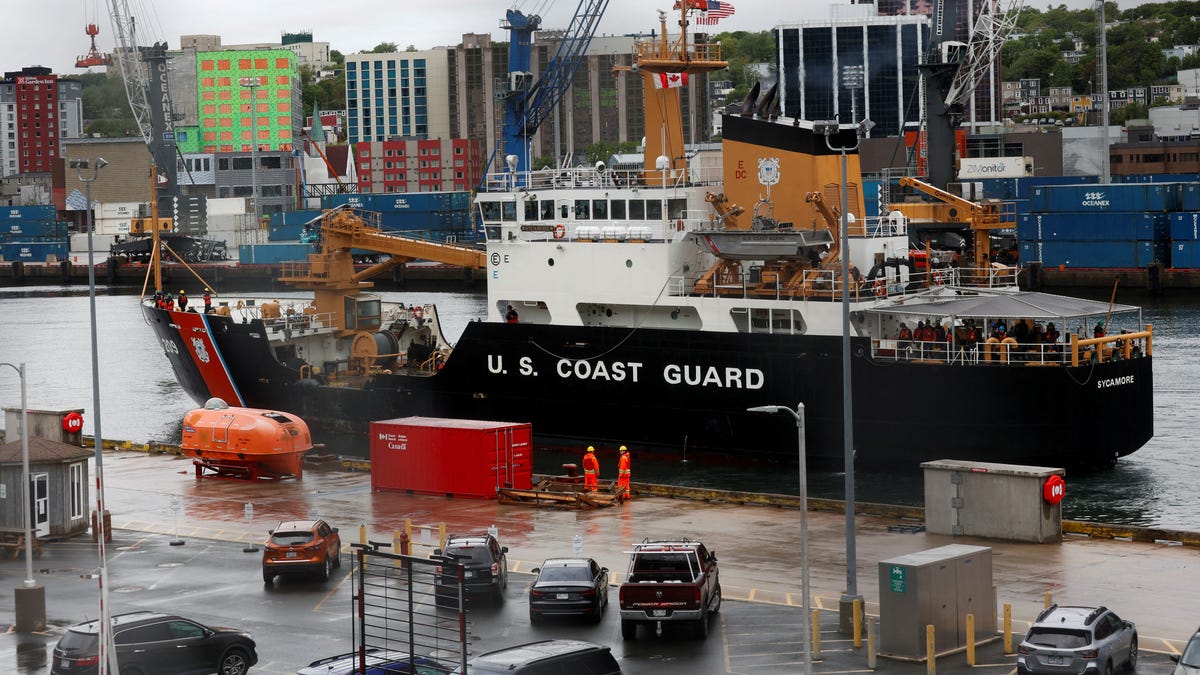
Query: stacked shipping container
point(32, 234)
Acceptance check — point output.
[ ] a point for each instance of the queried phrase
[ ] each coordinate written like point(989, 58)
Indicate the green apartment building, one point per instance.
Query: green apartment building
point(241, 93)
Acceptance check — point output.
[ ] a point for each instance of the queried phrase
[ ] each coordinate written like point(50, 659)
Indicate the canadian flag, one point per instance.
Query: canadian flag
point(669, 80)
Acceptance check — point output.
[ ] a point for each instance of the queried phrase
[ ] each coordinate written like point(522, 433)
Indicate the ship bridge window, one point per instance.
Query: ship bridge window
point(768, 320)
point(531, 211)
point(654, 209)
point(490, 211)
point(362, 313)
point(617, 207)
point(582, 209)
point(676, 208)
point(637, 209)
point(547, 209)
point(508, 212)
point(600, 209)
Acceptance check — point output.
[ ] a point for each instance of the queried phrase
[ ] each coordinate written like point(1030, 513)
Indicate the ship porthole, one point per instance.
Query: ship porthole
point(629, 263)
point(608, 312)
point(550, 262)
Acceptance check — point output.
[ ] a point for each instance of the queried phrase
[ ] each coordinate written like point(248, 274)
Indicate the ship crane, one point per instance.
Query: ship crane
point(527, 104)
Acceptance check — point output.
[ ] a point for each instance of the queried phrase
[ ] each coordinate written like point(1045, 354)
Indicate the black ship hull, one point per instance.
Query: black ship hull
point(664, 391)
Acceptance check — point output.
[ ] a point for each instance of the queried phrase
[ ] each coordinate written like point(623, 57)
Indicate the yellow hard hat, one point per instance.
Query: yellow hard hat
point(624, 449)
point(181, 291)
point(591, 449)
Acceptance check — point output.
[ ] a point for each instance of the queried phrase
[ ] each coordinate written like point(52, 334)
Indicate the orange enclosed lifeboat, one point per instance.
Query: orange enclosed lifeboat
point(245, 442)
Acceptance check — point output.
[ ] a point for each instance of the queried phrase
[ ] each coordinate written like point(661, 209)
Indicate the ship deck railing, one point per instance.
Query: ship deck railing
point(807, 283)
point(1075, 351)
point(697, 173)
point(292, 320)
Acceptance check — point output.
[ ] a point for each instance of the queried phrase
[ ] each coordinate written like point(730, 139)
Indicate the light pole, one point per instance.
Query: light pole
point(798, 413)
point(846, 603)
point(107, 650)
point(253, 83)
point(30, 598)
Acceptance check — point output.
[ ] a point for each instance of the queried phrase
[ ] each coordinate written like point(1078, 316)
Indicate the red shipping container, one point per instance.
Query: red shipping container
point(460, 458)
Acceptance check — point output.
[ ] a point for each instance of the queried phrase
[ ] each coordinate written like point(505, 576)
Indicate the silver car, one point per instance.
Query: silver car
point(1189, 661)
point(1078, 640)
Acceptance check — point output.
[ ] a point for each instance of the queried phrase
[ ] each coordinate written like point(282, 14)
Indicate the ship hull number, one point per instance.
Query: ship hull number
point(676, 374)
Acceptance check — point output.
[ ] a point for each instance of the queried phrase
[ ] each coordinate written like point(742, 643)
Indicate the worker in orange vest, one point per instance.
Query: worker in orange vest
point(591, 469)
point(623, 471)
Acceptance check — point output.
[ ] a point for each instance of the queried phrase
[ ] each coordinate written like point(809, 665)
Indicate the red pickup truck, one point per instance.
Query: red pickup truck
point(669, 581)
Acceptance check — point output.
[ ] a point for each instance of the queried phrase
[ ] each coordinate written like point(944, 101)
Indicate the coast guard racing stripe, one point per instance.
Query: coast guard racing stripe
point(194, 330)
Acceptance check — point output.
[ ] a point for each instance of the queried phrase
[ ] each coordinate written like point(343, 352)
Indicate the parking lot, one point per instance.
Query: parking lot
point(297, 621)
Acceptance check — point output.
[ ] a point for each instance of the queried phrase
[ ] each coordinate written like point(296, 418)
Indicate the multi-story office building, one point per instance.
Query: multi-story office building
point(816, 56)
point(419, 165)
point(398, 94)
point(38, 112)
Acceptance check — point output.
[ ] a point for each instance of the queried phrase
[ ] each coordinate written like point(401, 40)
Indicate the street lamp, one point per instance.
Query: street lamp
point(253, 83)
point(107, 650)
point(31, 598)
point(798, 413)
point(846, 603)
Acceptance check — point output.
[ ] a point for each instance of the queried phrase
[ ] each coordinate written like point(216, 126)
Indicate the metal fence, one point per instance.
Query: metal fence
point(405, 605)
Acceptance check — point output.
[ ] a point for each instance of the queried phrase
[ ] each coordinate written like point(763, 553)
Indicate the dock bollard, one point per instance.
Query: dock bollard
point(816, 634)
point(1048, 599)
point(1007, 629)
point(930, 651)
point(858, 621)
point(971, 640)
point(408, 528)
point(872, 641)
point(405, 544)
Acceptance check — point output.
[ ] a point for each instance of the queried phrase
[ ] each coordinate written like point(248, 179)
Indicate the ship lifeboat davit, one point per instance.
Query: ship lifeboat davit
point(245, 443)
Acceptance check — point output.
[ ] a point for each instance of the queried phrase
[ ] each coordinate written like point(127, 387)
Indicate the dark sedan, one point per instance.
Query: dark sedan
point(149, 643)
point(569, 587)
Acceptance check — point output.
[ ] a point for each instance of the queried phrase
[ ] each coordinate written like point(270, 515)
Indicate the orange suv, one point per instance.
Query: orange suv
point(301, 546)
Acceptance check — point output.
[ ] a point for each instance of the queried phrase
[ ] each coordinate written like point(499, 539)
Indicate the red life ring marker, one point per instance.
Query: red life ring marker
point(560, 231)
point(418, 311)
point(880, 288)
point(72, 423)
point(1054, 489)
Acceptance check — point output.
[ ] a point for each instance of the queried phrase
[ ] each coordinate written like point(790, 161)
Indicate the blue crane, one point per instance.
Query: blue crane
point(526, 103)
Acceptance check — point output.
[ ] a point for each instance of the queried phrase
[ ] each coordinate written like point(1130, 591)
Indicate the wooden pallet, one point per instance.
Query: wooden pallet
point(557, 494)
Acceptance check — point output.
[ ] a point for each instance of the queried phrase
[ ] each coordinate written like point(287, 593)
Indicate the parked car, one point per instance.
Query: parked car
point(1188, 663)
point(301, 547)
point(151, 643)
point(485, 567)
point(547, 656)
point(379, 662)
point(1078, 640)
point(569, 587)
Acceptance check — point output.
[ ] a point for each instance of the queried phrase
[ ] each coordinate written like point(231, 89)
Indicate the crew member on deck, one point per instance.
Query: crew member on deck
point(623, 471)
point(1052, 336)
point(905, 337)
point(511, 315)
point(207, 301)
point(591, 469)
point(1098, 331)
point(182, 300)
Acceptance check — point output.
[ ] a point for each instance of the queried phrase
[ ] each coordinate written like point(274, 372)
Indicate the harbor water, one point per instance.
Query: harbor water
point(48, 329)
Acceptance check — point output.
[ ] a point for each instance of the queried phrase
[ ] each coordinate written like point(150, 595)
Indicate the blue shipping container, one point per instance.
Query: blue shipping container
point(285, 232)
point(1102, 254)
point(1135, 198)
point(31, 251)
point(1185, 255)
point(27, 213)
point(1029, 251)
point(281, 218)
point(1189, 197)
point(1025, 186)
point(52, 229)
point(1092, 226)
point(1184, 225)
point(273, 254)
point(401, 201)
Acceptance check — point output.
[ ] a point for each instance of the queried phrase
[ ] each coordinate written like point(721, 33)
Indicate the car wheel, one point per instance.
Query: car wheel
point(326, 569)
point(598, 613)
point(702, 625)
point(233, 662)
point(268, 576)
point(498, 596)
point(628, 629)
point(533, 618)
point(1133, 655)
point(717, 601)
point(337, 559)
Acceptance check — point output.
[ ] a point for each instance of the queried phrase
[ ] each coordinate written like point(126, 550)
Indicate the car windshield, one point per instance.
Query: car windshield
point(565, 573)
point(76, 640)
point(475, 554)
point(1191, 654)
point(291, 538)
point(1059, 638)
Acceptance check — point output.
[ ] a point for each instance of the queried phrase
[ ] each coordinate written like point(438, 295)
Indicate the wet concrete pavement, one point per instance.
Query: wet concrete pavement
point(1153, 585)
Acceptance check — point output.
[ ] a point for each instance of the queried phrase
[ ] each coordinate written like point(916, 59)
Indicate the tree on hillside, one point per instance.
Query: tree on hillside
point(384, 48)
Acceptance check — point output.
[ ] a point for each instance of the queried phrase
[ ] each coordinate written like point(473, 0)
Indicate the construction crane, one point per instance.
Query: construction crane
point(144, 70)
point(93, 57)
point(527, 103)
point(953, 69)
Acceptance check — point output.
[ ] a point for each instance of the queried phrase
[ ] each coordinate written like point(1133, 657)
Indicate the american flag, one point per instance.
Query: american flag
point(717, 10)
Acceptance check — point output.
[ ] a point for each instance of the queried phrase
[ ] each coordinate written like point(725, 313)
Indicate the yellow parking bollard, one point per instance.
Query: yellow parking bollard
point(408, 528)
point(970, 639)
point(362, 534)
point(1048, 599)
point(930, 651)
point(858, 623)
point(1008, 629)
point(816, 634)
point(442, 535)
